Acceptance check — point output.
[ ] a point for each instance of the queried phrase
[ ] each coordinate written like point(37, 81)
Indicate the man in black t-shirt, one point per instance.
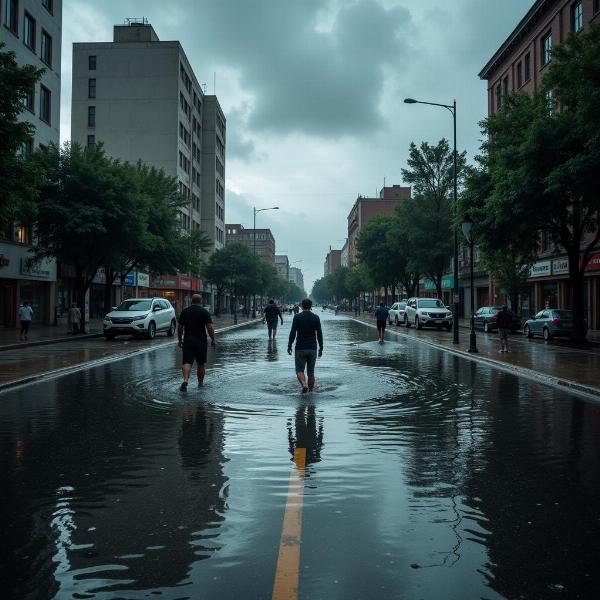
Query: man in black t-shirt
point(270, 315)
point(195, 321)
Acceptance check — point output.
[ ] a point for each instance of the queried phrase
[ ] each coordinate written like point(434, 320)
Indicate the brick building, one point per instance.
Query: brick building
point(519, 65)
point(333, 260)
point(265, 242)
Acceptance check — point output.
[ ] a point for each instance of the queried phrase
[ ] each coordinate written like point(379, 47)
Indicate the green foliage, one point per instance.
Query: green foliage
point(373, 249)
point(234, 269)
point(19, 177)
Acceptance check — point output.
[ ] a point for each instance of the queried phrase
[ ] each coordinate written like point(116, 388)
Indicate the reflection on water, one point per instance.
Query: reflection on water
point(439, 478)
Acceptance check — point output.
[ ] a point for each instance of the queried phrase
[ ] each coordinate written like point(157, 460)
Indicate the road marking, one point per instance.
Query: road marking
point(288, 561)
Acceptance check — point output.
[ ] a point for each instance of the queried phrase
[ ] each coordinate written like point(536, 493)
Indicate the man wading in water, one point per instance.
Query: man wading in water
point(195, 321)
point(271, 314)
point(306, 330)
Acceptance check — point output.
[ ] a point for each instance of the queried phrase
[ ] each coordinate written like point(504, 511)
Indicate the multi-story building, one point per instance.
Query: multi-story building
point(364, 209)
point(344, 254)
point(333, 260)
point(260, 239)
point(139, 96)
point(297, 277)
point(519, 64)
point(32, 29)
point(282, 264)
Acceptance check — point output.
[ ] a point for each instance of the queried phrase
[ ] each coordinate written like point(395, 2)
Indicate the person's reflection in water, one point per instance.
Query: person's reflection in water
point(272, 350)
point(197, 436)
point(306, 433)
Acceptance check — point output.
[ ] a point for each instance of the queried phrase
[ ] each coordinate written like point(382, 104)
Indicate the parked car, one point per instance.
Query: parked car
point(140, 317)
point(549, 323)
point(485, 318)
point(427, 312)
point(396, 311)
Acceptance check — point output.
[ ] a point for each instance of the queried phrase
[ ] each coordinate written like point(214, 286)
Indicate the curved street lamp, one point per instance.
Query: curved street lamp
point(257, 210)
point(456, 297)
point(467, 229)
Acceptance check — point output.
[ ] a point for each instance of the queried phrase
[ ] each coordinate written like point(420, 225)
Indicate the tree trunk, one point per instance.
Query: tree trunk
point(81, 290)
point(577, 297)
point(393, 290)
point(385, 294)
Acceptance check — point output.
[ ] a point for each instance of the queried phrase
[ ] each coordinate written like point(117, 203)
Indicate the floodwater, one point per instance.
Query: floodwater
point(427, 477)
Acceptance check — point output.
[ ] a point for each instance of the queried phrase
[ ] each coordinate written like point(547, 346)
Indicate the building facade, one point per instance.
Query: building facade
point(282, 264)
point(519, 65)
point(139, 96)
point(297, 277)
point(333, 260)
point(364, 209)
point(260, 239)
point(32, 29)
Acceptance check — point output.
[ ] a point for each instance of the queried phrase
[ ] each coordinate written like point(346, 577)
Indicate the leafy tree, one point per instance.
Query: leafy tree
point(403, 263)
point(321, 291)
point(358, 282)
point(19, 177)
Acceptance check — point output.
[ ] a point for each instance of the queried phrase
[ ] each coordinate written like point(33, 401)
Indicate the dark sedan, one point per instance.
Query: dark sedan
point(486, 319)
point(549, 323)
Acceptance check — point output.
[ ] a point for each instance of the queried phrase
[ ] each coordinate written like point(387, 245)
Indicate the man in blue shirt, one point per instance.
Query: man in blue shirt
point(306, 332)
point(381, 315)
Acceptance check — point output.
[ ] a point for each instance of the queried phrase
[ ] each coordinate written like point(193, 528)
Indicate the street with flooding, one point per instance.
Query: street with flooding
point(409, 473)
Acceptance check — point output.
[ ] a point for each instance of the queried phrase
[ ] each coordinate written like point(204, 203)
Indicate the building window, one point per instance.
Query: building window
point(527, 67)
point(45, 104)
point(28, 148)
point(498, 97)
point(577, 17)
point(505, 86)
point(48, 5)
point(519, 74)
point(546, 46)
point(23, 234)
point(91, 116)
point(596, 6)
point(549, 102)
point(91, 88)
point(92, 63)
point(546, 241)
point(29, 31)
point(11, 15)
point(46, 53)
point(91, 141)
point(29, 100)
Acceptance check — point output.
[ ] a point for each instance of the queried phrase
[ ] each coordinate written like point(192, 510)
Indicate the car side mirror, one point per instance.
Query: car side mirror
point(114, 308)
point(156, 308)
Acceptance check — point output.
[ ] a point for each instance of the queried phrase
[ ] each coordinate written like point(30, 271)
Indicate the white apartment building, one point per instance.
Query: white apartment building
point(282, 264)
point(32, 29)
point(139, 96)
point(297, 277)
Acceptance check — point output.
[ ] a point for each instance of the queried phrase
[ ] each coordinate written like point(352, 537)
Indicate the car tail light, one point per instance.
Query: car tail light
point(554, 322)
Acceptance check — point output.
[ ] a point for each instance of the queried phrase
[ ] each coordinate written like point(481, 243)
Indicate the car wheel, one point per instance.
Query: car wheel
point(527, 331)
point(396, 322)
point(547, 334)
point(406, 323)
point(172, 327)
point(448, 327)
point(109, 336)
point(486, 327)
point(151, 331)
point(418, 323)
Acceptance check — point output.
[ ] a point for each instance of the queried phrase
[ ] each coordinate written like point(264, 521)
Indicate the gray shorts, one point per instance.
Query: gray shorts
point(305, 358)
point(272, 324)
point(503, 333)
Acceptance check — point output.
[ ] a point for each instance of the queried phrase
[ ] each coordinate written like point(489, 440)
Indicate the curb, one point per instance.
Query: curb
point(8, 385)
point(556, 382)
point(57, 340)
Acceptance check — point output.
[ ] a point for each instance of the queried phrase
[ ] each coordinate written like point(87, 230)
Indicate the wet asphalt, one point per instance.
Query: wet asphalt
point(427, 476)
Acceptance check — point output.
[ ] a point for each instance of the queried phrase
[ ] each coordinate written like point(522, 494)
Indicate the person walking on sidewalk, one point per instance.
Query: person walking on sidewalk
point(271, 313)
point(194, 323)
point(74, 318)
point(381, 315)
point(306, 332)
point(504, 320)
point(25, 317)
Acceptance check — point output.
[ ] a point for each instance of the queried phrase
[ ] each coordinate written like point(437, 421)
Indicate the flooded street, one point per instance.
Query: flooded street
point(426, 476)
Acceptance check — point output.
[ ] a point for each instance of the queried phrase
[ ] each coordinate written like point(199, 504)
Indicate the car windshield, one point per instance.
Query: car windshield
point(402, 305)
point(562, 314)
point(431, 303)
point(495, 309)
point(131, 305)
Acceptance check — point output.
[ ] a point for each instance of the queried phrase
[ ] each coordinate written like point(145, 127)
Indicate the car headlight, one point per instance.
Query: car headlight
point(108, 319)
point(139, 317)
point(449, 315)
point(424, 314)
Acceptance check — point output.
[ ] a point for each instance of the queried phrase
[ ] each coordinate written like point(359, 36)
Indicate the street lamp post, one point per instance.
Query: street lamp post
point(257, 210)
point(467, 229)
point(455, 293)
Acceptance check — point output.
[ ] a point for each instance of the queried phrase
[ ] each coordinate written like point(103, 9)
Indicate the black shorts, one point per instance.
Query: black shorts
point(194, 349)
point(381, 324)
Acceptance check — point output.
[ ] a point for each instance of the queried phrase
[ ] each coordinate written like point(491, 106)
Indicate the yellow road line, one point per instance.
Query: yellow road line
point(288, 562)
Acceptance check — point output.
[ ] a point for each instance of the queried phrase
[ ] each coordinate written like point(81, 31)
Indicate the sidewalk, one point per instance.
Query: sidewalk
point(572, 369)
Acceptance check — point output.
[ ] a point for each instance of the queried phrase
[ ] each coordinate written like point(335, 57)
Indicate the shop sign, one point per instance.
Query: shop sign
point(540, 269)
point(594, 264)
point(164, 282)
point(99, 277)
point(129, 279)
point(143, 280)
point(185, 282)
point(560, 266)
point(4, 262)
point(34, 269)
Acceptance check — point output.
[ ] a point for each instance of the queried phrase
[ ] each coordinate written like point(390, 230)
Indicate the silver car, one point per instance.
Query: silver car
point(140, 317)
point(427, 312)
point(396, 313)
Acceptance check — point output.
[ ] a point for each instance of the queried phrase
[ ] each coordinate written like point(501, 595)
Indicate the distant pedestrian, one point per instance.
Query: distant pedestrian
point(74, 318)
point(306, 332)
point(504, 321)
point(271, 315)
point(381, 316)
point(194, 323)
point(25, 317)
point(296, 309)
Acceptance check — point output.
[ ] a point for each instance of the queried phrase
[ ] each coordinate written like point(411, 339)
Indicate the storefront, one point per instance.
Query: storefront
point(25, 280)
point(177, 289)
point(428, 289)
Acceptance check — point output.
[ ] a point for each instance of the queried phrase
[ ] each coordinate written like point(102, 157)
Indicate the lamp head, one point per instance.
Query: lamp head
point(467, 227)
point(410, 101)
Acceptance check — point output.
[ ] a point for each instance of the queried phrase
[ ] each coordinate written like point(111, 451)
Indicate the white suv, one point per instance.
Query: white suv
point(140, 317)
point(427, 312)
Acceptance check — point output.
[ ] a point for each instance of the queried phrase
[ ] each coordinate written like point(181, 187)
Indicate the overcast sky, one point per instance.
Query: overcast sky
point(312, 91)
